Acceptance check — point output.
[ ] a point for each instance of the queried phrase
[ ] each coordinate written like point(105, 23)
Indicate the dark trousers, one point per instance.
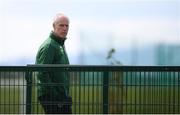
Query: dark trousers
point(54, 106)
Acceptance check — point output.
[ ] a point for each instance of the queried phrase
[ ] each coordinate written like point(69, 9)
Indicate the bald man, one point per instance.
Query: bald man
point(53, 86)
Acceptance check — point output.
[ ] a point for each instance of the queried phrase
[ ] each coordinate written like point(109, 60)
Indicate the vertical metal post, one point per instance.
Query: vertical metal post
point(28, 91)
point(105, 91)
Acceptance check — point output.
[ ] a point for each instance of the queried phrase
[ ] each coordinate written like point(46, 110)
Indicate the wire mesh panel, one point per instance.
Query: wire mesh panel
point(151, 92)
point(12, 90)
point(86, 90)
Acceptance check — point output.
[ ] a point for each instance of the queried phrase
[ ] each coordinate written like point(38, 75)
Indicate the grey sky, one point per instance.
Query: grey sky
point(24, 24)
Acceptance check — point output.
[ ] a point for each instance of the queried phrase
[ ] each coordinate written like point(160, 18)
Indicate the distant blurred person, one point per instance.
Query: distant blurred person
point(53, 86)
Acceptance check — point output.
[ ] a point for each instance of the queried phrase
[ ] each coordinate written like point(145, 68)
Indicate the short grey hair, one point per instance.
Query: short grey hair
point(58, 16)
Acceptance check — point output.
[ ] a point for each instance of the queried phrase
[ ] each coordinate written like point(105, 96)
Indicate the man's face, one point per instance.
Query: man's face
point(61, 27)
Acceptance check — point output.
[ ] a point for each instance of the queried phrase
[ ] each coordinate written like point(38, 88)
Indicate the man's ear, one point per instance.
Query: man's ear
point(53, 25)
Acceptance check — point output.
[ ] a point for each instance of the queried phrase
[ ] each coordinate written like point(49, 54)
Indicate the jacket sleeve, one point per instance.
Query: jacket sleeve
point(45, 56)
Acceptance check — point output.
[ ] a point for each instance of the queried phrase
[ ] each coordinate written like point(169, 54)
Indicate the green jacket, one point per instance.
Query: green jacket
point(52, 51)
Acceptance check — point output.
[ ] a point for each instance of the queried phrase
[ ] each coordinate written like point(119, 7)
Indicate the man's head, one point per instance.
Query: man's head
point(61, 25)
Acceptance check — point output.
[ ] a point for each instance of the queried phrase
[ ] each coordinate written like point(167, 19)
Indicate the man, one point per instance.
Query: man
point(53, 86)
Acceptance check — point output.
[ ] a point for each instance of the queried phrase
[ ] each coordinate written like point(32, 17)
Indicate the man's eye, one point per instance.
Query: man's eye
point(61, 25)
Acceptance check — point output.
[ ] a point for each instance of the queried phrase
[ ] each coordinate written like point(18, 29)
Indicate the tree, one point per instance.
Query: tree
point(111, 59)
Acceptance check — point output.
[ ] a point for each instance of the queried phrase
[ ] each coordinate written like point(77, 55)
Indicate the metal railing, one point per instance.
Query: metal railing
point(96, 89)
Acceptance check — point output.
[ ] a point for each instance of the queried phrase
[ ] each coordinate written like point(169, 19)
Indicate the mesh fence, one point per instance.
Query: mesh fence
point(94, 89)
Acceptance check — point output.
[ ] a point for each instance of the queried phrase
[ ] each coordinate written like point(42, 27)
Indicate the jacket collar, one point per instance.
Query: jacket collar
point(57, 38)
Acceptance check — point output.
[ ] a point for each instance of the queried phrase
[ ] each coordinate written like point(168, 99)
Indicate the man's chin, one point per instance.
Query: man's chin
point(62, 36)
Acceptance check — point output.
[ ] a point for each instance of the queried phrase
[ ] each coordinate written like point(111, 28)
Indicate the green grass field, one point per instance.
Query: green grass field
point(10, 100)
point(88, 99)
point(130, 99)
